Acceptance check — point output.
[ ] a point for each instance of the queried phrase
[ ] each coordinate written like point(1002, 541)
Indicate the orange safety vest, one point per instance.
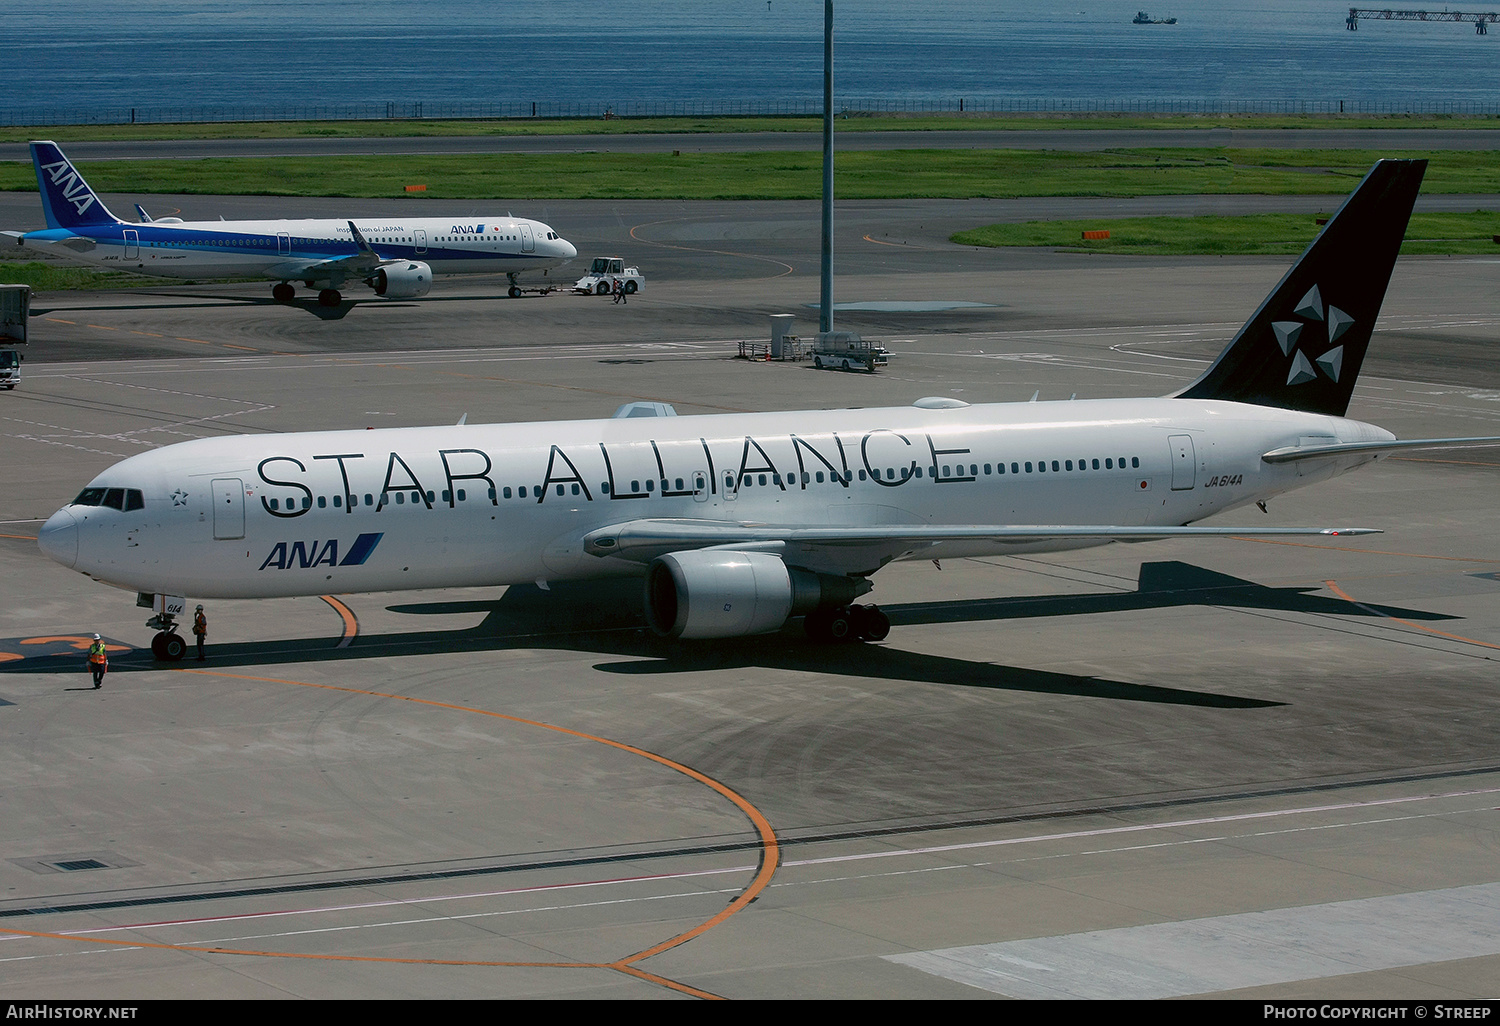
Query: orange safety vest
point(200, 625)
point(97, 654)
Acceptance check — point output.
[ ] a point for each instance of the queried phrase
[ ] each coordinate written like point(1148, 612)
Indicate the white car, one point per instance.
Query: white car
point(10, 368)
point(604, 272)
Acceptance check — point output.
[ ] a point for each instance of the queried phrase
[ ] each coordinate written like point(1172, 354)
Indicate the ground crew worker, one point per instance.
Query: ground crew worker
point(200, 630)
point(619, 291)
point(98, 661)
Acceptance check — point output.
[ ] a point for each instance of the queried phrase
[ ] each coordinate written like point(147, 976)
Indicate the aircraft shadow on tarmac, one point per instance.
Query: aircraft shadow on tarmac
point(308, 304)
point(606, 617)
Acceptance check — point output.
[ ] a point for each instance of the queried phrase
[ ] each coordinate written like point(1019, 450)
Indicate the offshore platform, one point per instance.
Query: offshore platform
point(1480, 20)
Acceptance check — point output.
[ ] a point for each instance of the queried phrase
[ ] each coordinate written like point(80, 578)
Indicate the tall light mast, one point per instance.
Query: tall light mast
point(825, 322)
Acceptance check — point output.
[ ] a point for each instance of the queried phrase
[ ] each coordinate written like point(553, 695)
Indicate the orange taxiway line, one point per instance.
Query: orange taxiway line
point(351, 622)
point(770, 858)
point(1341, 593)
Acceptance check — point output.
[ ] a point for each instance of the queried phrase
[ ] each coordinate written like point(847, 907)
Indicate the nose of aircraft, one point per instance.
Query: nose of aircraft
point(58, 538)
point(566, 249)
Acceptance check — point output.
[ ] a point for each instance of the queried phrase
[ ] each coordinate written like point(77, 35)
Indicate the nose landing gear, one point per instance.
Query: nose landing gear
point(168, 646)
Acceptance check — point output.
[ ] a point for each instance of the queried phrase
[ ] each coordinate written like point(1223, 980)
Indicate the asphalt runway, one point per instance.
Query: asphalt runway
point(1227, 768)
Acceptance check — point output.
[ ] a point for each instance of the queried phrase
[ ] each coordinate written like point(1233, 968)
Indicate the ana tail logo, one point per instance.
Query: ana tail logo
point(72, 186)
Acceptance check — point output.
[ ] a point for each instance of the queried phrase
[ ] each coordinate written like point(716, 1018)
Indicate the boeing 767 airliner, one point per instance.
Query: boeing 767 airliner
point(739, 522)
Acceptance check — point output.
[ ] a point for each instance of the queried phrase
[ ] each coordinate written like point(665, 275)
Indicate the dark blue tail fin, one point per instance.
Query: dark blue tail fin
point(67, 200)
point(1303, 348)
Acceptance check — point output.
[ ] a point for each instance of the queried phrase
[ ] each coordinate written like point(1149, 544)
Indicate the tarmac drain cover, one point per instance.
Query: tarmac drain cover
point(75, 862)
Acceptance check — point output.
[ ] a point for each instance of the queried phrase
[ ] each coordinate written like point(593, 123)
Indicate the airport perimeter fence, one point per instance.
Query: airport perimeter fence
point(852, 107)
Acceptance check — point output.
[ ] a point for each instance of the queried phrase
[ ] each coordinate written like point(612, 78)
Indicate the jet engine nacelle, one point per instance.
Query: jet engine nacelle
point(715, 593)
point(402, 281)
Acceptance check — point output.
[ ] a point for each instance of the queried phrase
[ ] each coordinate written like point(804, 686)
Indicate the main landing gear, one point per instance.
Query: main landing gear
point(168, 646)
point(285, 292)
point(847, 623)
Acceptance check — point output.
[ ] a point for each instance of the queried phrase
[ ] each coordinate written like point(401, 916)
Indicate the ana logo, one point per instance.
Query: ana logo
point(74, 189)
point(1289, 334)
point(306, 555)
point(468, 229)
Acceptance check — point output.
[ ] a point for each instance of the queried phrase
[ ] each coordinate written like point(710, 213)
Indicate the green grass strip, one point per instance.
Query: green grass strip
point(852, 122)
point(49, 277)
point(1254, 234)
point(868, 174)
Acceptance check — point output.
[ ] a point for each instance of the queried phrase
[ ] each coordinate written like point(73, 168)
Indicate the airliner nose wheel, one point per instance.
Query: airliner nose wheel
point(283, 292)
point(168, 647)
point(515, 292)
point(847, 623)
point(329, 297)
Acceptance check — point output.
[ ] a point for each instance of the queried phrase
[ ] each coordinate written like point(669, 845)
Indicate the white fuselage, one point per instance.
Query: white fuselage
point(352, 511)
point(296, 250)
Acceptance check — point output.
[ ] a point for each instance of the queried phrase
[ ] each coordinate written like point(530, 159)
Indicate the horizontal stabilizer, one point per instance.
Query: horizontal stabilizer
point(1296, 453)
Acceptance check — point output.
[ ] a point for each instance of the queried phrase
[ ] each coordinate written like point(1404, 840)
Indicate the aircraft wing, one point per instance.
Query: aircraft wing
point(1296, 453)
point(643, 540)
point(360, 264)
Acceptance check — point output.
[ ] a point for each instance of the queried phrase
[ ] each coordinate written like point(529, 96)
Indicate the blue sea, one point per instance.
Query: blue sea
point(96, 60)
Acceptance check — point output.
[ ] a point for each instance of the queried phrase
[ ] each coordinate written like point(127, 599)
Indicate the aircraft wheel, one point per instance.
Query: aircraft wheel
point(601, 289)
point(515, 292)
point(841, 625)
point(631, 286)
point(875, 625)
point(283, 292)
point(168, 647)
point(329, 297)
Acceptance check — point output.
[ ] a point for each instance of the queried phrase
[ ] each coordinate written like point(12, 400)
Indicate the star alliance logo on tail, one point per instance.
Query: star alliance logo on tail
point(1289, 334)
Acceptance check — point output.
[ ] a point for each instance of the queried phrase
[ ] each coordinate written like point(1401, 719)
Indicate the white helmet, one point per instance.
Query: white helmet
point(96, 637)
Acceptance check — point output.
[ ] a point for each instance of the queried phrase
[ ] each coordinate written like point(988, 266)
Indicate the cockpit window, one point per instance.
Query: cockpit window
point(123, 499)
